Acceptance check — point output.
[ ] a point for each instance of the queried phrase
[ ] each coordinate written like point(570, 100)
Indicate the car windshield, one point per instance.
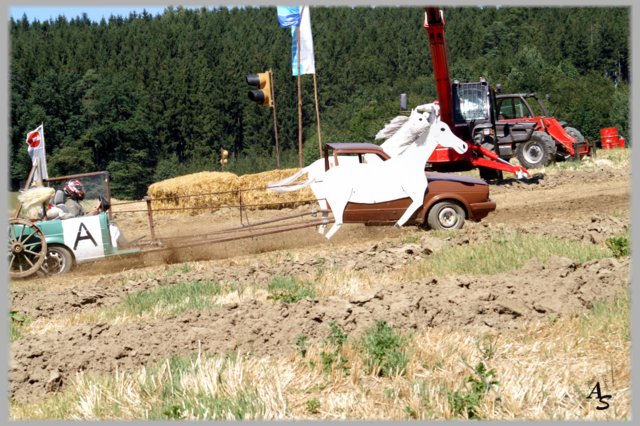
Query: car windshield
point(93, 185)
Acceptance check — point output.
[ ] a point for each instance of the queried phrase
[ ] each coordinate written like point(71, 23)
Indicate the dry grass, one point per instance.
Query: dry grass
point(208, 191)
point(544, 371)
point(199, 190)
point(256, 196)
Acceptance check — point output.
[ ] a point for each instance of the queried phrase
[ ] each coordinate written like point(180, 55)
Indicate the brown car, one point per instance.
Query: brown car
point(448, 200)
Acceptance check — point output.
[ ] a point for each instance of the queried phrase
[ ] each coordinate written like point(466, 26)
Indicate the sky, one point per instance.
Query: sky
point(94, 13)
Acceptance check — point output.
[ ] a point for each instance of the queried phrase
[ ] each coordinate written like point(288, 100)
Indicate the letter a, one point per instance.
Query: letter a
point(596, 390)
point(79, 236)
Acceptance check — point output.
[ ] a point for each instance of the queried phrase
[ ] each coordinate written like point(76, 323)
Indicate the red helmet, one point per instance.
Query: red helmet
point(74, 189)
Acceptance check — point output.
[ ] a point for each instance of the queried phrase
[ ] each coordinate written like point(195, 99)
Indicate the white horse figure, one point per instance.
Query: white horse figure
point(399, 177)
point(401, 131)
point(398, 133)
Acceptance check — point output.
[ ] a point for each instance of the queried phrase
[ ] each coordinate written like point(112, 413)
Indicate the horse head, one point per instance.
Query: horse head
point(442, 133)
point(418, 123)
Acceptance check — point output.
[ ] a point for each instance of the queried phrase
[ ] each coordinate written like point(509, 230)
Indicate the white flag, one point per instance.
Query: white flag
point(307, 61)
point(35, 140)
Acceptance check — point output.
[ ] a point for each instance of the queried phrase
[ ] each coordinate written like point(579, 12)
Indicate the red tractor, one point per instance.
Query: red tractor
point(551, 139)
point(470, 110)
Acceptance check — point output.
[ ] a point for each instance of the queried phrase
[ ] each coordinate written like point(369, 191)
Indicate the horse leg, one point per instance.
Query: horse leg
point(318, 192)
point(338, 203)
point(336, 226)
point(325, 216)
point(417, 198)
point(407, 214)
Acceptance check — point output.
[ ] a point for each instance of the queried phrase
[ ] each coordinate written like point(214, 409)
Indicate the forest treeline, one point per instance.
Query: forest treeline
point(151, 97)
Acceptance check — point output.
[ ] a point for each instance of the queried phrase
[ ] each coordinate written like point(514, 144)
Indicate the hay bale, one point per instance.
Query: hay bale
point(195, 193)
point(256, 197)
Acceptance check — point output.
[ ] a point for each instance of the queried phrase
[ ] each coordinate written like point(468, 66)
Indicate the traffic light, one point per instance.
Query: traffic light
point(262, 95)
point(224, 157)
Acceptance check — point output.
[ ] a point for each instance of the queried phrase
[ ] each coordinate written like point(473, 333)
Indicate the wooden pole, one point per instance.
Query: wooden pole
point(315, 93)
point(275, 122)
point(299, 102)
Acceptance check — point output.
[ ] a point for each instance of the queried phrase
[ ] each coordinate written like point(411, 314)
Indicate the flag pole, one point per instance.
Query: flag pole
point(299, 99)
point(315, 93)
point(275, 123)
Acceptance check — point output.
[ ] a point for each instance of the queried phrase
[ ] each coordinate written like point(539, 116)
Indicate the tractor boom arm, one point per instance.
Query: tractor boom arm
point(434, 24)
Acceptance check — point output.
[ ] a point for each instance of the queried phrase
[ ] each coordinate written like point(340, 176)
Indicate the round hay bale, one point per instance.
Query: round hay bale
point(255, 196)
point(195, 193)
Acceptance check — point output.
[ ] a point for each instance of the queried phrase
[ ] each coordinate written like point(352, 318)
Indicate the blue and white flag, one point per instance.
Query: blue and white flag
point(288, 16)
point(306, 58)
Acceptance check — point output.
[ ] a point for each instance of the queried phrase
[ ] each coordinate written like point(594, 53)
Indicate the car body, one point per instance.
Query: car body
point(66, 241)
point(71, 241)
point(448, 201)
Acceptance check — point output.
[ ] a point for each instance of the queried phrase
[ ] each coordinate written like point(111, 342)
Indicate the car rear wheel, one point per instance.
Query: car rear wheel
point(539, 151)
point(446, 215)
point(59, 260)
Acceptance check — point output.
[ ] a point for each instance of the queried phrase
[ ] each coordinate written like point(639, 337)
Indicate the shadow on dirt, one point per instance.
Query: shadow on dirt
point(533, 180)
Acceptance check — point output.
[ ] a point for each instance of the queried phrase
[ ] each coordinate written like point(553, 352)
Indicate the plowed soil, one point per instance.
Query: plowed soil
point(588, 206)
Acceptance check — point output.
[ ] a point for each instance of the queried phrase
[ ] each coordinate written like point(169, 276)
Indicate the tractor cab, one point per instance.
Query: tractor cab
point(475, 118)
point(562, 141)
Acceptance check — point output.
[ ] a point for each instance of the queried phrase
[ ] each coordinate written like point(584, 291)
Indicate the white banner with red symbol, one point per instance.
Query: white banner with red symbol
point(35, 140)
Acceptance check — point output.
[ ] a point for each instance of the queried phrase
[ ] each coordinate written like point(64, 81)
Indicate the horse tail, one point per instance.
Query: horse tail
point(290, 188)
point(281, 185)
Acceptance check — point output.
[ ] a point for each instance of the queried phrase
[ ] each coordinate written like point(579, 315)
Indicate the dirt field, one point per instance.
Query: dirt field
point(589, 205)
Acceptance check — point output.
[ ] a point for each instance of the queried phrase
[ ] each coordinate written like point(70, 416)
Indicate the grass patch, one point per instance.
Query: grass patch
point(617, 157)
point(609, 318)
point(335, 359)
point(502, 253)
point(176, 298)
point(384, 351)
point(465, 402)
point(178, 388)
point(17, 324)
point(313, 406)
point(290, 290)
point(619, 245)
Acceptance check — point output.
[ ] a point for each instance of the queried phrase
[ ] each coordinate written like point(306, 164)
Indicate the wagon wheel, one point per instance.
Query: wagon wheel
point(27, 248)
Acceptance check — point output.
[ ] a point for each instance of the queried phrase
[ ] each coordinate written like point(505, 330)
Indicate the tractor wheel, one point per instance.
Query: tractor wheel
point(539, 151)
point(59, 260)
point(27, 248)
point(490, 174)
point(578, 137)
point(487, 173)
point(446, 215)
point(575, 133)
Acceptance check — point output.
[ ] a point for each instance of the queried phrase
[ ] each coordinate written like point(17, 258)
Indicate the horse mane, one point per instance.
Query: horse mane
point(392, 127)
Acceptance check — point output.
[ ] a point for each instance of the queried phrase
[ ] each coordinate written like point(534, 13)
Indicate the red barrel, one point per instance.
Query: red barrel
point(609, 138)
point(621, 142)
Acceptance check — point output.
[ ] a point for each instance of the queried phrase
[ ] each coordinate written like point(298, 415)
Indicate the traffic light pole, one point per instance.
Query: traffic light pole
point(275, 122)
